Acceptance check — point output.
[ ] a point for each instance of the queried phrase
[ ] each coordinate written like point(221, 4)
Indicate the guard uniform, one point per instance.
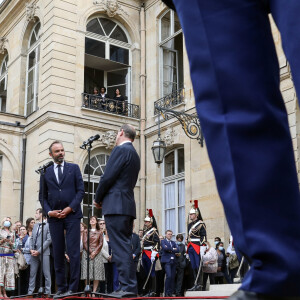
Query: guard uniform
point(150, 250)
point(196, 242)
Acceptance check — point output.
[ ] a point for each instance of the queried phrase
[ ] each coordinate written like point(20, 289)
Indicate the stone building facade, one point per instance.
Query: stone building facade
point(52, 55)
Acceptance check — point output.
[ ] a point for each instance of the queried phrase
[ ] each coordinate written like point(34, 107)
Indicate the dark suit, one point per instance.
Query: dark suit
point(180, 266)
point(168, 260)
point(235, 74)
point(136, 247)
point(69, 192)
point(115, 192)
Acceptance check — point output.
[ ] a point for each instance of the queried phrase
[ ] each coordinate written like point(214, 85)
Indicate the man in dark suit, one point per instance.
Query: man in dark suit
point(136, 248)
point(63, 193)
point(236, 80)
point(180, 264)
point(36, 251)
point(168, 250)
point(115, 195)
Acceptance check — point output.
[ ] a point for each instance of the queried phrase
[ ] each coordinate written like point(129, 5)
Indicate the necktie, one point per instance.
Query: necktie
point(59, 172)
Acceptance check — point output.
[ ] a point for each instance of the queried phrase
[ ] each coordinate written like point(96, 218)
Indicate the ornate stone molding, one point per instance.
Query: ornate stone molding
point(3, 41)
point(31, 11)
point(109, 139)
point(111, 7)
point(169, 136)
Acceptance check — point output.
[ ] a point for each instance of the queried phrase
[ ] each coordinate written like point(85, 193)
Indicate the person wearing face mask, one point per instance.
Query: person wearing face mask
point(219, 276)
point(7, 247)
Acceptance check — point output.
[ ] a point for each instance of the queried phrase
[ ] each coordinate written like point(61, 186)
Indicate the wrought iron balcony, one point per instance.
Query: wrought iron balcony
point(170, 100)
point(116, 107)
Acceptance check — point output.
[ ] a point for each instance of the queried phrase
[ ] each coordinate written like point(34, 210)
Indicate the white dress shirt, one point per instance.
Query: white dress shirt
point(125, 143)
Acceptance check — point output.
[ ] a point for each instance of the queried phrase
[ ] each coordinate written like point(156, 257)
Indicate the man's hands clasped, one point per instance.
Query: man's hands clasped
point(60, 214)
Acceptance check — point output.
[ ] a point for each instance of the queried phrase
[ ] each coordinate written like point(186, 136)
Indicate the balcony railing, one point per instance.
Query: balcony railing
point(170, 100)
point(116, 107)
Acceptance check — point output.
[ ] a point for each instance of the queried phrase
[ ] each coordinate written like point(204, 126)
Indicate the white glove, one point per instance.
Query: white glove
point(187, 256)
point(153, 255)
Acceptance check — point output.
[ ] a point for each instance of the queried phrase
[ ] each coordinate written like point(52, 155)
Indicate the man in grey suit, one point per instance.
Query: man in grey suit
point(35, 249)
point(115, 195)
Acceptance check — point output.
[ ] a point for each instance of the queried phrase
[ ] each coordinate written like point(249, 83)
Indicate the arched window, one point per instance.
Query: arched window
point(174, 192)
point(107, 57)
point(32, 71)
point(171, 53)
point(3, 83)
point(97, 168)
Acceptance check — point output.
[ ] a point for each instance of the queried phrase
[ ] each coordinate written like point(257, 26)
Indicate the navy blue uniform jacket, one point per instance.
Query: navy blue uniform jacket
point(115, 190)
point(68, 193)
point(168, 251)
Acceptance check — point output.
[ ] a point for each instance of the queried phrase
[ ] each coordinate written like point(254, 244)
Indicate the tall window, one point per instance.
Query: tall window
point(174, 192)
point(3, 83)
point(171, 53)
point(107, 57)
point(97, 168)
point(32, 73)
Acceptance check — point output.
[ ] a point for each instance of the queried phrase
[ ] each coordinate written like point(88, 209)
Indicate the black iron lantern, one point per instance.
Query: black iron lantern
point(159, 150)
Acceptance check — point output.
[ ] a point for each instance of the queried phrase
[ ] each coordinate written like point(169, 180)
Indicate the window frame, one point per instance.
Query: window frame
point(4, 77)
point(31, 48)
point(161, 42)
point(176, 178)
point(110, 41)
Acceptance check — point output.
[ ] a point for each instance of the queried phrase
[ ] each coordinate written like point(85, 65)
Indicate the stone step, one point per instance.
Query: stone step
point(217, 290)
point(225, 287)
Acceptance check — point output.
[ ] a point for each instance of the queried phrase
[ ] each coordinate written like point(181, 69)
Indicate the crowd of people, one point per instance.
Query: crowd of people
point(169, 263)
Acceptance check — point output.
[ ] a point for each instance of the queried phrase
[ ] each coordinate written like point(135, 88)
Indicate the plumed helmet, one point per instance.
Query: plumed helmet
point(195, 210)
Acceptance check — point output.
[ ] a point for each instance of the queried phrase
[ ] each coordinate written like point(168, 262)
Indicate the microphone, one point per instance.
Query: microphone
point(89, 141)
point(44, 167)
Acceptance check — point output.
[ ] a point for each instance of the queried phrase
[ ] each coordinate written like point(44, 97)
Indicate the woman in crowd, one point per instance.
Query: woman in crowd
point(105, 256)
point(219, 277)
point(180, 264)
point(29, 225)
point(95, 246)
point(120, 104)
point(7, 260)
point(24, 246)
point(83, 228)
point(210, 265)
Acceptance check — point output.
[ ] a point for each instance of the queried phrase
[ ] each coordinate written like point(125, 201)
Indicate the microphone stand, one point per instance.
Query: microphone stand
point(88, 290)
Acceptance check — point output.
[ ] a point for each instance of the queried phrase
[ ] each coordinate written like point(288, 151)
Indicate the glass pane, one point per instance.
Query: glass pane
point(32, 40)
point(101, 159)
point(94, 162)
point(177, 25)
point(37, 30)
point(85, 211)
point(117, 77)
point(92, 78)
point(119, 34)
point(98, 171)
point(170, 222)
point(119, 54)
point(169, 164)
point(165, 26)
point(2, 103)
point(97, 212)
point(2, 87)
point(94, 26)
point(30, 93)
point(94, 47)
point(170, 195)
point(31, 61)
point(169, 71)
point(107, 25)
point(95, 186)
point(29, 107)
point(4, 65)
point(85, 198)
point(181, 193)
point(180, 160)
point(181, 220)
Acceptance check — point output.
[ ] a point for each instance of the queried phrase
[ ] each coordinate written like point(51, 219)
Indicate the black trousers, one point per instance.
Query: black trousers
point(211, 279)
point(119, 228)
